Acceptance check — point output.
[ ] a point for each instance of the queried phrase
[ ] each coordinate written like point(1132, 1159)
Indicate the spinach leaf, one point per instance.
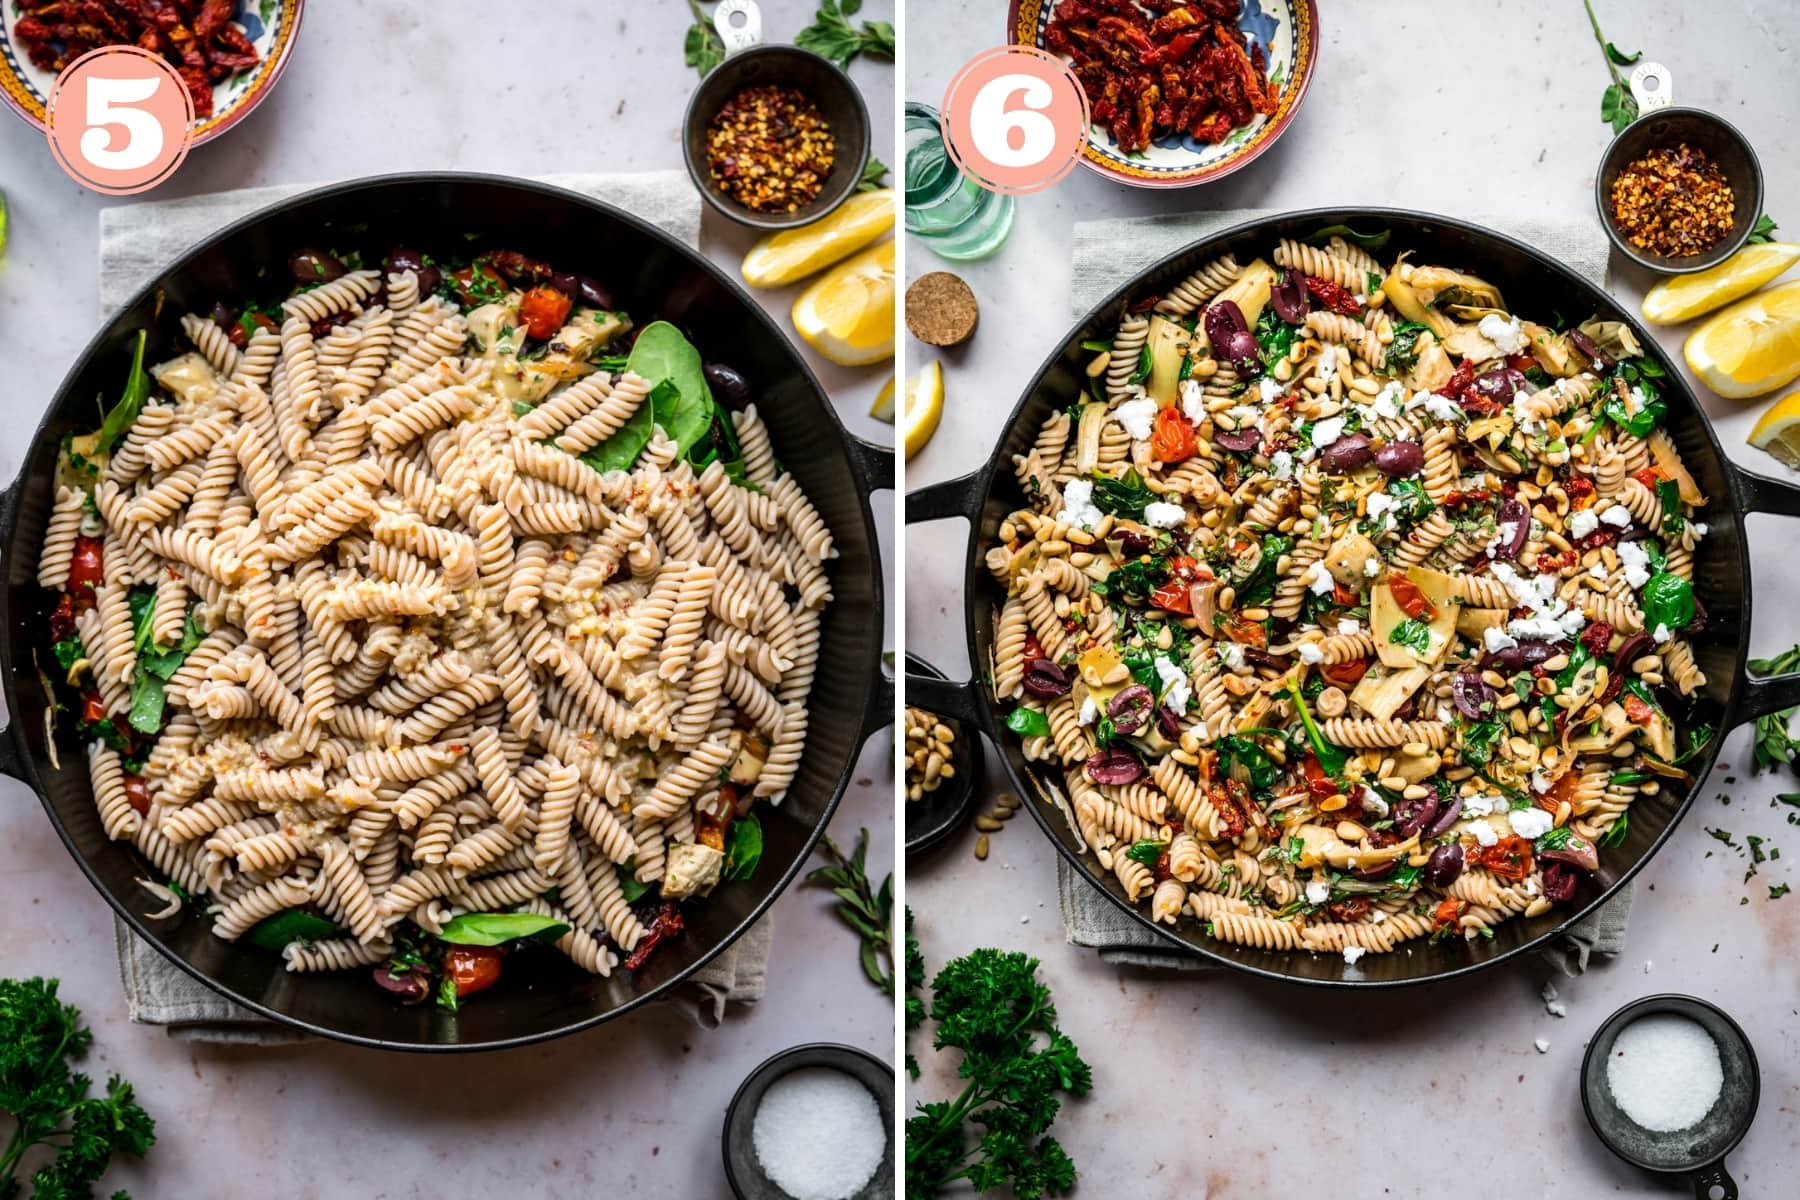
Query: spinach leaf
point(1274, 336)
point(743, 848)
point(1412, 502)
point(1145, 363)
point(1259, 587)
point(1125, 496)
point(1133, 580)
point(1668, 601)
point(629, 886)
point(496, 929)
point(131, 401)
point(1028, 722)
point(1368, 241)
point(1616, 835)
point(1141, 662)
point(1480, 741)
point(1668, 493)
point(1636, 376)
point(148, 697)
point(291, 925)
point(68, 651)
point(662, 354)
point(1259, 768)
point(1412, 633)
point(1403, 351)
point(1148, 851)
point(621, 450)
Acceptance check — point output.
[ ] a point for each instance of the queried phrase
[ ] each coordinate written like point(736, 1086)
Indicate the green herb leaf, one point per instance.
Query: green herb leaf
point(867, 910)
point(447, 997)
point(68, 651)
point(1556, 839)
point(1028, 722)
point(743, 848)
point(1412, 633)
point(1668, 601)
point(1615, 836)
point(1274, 336)
point(630, 886)
point(1331, 758)
point(1647, 415)
point(874, 171)
point(1762, 231)
point(1620, 57)
point(1480, 741)
point(1125, 496)
point(1403, 351)
point(273, 933)
point(1148, 851)
point(702, 48)
point(832, 36)
point(1368, 241)
point(131, 400)
point(1254, 765)
point(497, 928)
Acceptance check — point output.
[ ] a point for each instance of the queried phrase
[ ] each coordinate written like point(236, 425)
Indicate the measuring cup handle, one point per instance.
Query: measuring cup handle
point(738, 37)
point(1714, 1183)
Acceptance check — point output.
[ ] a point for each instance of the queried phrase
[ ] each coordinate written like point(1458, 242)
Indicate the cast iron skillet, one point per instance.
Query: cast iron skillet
point(651, 275)
point(1539, 286)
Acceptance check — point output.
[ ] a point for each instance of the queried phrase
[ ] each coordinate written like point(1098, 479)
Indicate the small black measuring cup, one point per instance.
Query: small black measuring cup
point(1698, 1152)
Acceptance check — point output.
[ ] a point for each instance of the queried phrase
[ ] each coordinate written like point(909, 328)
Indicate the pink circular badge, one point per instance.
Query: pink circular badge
point(119, 120)
point(1015, 119)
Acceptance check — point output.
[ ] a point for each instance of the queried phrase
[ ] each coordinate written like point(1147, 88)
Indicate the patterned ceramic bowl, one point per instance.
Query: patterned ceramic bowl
point(271, 26)
point(1288, 32)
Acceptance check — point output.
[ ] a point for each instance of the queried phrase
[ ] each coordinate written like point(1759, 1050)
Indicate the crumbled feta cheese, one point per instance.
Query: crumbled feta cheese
point(1317, 892)
point(1635, 400)
point(1377, 917)
point(1349, 624)
point(1660, 635)
point(1442, 407)
point(1618, 516)
point(1497, 640)
point(1163, 515)
point(1597, 571)
point(1373, 804)
point(1388, 400)
point(1136, 416)
point(1328, 363)
point(1700, 528)
point(1636, 562)
point(1484, 833)
point(1176, 689)
point(1479, 806)
point(1078, 504)
point(1090, 712)
point(1530, 823)
point(1325, 432)
point(1552, 1005)
point(1281, 464)
point(1310, 653)
point(1543, 1045)
point(1531, 885)
point(1535, 629)
point(1381, 506)
point(1193, 403)
point(1504, 332)
point(1583, 522)
point(1372, 566)
point(1270, 390)
point(1231, 654)
point(1352, 953)
point(1244, 415)
point(1321, 582)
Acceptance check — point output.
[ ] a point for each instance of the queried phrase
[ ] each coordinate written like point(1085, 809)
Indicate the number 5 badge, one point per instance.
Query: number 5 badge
point(119, 120)
point(1015, 119)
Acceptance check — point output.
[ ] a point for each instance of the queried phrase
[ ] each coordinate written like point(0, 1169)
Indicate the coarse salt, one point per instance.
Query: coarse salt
point(818, 1134)
point(1664, 1071)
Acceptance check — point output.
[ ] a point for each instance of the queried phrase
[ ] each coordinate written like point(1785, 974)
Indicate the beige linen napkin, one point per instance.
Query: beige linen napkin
point(137, 241)
point(1106, 254)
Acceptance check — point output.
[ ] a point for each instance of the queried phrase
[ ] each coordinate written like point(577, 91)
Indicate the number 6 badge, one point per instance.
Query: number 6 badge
point(119, 120)
point(1015, 119)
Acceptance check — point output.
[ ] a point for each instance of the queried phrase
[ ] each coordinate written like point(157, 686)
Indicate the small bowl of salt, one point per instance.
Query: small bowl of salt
point(814, 1122)
point(1670, 1084)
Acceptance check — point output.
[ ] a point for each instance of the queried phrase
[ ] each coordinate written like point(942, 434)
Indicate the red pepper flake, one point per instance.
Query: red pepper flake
point(1672, 201)
point(769, 148)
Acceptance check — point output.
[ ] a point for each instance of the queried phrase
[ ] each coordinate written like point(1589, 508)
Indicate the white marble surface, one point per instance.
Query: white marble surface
point(1219, 1086)
point(633, 1108)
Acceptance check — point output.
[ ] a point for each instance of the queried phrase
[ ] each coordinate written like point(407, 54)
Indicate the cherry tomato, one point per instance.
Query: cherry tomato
point(1636, 711)
point(1521, 362)
point(1343, 595)
point(1649, 477)
point(1346, 674)
point(87, 568)
point(1509, 858)
point(92, 707)
point(543, 310)
point(1173, 439)
point(137, 794)
point(1319, 785)
point(478, 284)
point(1411, 600)
point(1172, 594)
point(1448, 913)
point(473, 968)
point(1562, 789)
point(1580, 490)
point(1033, 647)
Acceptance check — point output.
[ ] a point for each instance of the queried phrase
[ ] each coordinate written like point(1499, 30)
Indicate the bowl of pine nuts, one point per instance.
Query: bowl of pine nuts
point(942, 759)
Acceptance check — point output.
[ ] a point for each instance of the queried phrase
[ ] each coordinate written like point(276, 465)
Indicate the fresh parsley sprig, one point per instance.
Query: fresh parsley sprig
point(1617, 106)
point(915, 979)
point(50, 1104)
point(990, 1005)
point(832, 36)
point(867, 910)
point(702, 47)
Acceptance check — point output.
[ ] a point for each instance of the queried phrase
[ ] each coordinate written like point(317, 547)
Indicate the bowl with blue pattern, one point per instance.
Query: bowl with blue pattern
point(268, 26)
point(1287, 31)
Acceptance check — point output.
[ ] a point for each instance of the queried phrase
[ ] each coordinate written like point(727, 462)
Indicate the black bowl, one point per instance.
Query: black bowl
point(743, 1171)
point(1722, 143)
point(829, 88)
point(936, 815)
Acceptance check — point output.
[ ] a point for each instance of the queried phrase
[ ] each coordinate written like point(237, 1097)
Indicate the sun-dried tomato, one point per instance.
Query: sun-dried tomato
point(1509, 858)
point(1333, 296)
point(1580, 491)
point(1636, 711)
point(1346, 674)
point(1350, 909)
point(1547, 563)
point(1231, 799)
point(1649, 477)
point(1411, 600)
point(1595, 637)
point(1448, 913)
point(1033, 647)
point(1458, 499)
point(668, 924)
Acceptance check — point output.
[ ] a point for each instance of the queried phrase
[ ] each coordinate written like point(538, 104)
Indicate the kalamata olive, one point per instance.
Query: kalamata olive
point(222, 315)
point(1115, 767)
point(1474, 698)
point(592, 293)
point(1698, 624)
point(1589, 350)
point(729, 387)
point(410, 987)
point(1288, 297)
point(324, 325)
point(1230, 334)
point(1521, 657)
point(1500, 385)
point(1400, 458)
point(405, 258)
point(1045, 680)
point(1130, 708)
point(1630, 650)
point(1244, 441)
point(1515, 529)
point(1168, 722)
point(1577, 852)
point(1376, 873)
point(1447, 816)
point(564, 282)
point(1444, 865)
point(1133, 544)
point(518, 269)
point(308, 265)
point(1559, 882)
point(1349, 453)
point(1411, 816)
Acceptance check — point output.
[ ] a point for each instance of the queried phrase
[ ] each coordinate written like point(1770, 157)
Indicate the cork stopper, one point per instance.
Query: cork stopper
point(940, 309)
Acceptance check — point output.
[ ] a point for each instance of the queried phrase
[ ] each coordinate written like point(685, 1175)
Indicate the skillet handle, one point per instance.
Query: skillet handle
point(13, 759)
point(949, 698)
point(959, 497)
point(874, 467)
point(1714, 1182)
point(1760, 493)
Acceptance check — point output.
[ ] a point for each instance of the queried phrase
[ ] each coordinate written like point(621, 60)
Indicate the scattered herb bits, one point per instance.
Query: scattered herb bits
point(770, 149)
point(1673, 201)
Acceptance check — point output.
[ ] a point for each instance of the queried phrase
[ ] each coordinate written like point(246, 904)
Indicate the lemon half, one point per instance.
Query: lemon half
point(924, 407)
point(791, 255)
point(1684, 297)
point(848, 313)
point(1750, 348)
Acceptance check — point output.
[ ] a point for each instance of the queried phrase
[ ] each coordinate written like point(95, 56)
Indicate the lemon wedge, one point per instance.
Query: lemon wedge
point(1778, 430)
point(924, 406)
point(883, 408)
point(848, 313)
point(791, 255)
point(1750, 348)
point(1684, 297)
